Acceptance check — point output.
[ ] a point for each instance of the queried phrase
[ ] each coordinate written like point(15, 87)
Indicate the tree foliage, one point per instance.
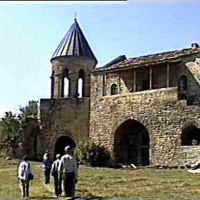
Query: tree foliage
point(11, 123)
point(10, 129)
point(29, 111)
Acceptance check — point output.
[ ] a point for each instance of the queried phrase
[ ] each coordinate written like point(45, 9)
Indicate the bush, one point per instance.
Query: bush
point(93, 154)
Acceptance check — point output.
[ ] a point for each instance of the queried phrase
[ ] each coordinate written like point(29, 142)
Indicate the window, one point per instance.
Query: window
point(183, 83)
point(81, 84)
point(114, 89)
point(65, 84)
point(182, 87)
point(80, 87)
point(190, 136)
point(66, 87)
point(145, 85)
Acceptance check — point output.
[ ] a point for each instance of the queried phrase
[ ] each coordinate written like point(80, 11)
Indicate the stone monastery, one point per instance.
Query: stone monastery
point(144, 110)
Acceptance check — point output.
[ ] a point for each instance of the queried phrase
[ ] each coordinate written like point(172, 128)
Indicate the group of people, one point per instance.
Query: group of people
point(64, 170)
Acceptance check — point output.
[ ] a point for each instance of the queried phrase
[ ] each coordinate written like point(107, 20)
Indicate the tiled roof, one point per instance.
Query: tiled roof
point(149, 59)
point(74, 43)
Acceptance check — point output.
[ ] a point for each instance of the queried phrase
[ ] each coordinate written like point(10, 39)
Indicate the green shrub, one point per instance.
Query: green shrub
point(93, 154)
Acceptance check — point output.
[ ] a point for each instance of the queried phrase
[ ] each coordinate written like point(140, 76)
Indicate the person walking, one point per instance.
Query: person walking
point(46, 154)
point(46, 165)
point(69, 171)
point(24, 170)
point(57, 179)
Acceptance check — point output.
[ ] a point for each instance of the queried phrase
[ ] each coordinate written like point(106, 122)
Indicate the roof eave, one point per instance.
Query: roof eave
point(96, 71)
point(72, 56)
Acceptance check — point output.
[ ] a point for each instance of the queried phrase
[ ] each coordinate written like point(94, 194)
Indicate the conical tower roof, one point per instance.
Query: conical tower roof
point(74, 43)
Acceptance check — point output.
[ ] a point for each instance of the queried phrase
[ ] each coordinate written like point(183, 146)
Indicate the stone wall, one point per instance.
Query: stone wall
point(159, 110)
point(62, 117)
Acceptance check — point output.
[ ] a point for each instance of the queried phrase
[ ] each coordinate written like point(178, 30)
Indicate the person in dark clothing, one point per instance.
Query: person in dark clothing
point(46, 165)
point(57, 179)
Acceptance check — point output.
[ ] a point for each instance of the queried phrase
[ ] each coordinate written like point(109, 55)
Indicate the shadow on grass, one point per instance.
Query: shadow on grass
point(38, 197)
point(88, 198)
point(75, 198)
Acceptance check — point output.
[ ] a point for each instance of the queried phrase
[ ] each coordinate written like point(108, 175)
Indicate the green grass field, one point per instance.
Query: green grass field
point(112, 184)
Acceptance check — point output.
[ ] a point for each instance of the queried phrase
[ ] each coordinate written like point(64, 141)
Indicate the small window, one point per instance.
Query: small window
point(182, 87)
point(65, 90)
point(80, 87)
point(145, 85)
point(66, 87)
point(81, 84)
point(114, 89)
point(183, 83)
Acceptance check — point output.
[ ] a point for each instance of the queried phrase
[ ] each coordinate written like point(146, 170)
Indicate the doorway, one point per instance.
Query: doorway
point(61, 143)
point(131, 143)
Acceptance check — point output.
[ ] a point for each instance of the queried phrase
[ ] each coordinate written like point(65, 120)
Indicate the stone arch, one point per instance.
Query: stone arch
point(131, 143)
point(114, 89)
point(124, 118)
point(59, 142)
point(190, 123)
point(190, 134)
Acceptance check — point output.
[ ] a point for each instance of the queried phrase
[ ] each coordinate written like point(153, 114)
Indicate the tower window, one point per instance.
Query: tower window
point(66, 87)
point(81, 84)
point(65, 83)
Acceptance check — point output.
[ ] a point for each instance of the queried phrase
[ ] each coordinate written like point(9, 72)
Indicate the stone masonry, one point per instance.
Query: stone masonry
point(144, 110)
point(159, 110)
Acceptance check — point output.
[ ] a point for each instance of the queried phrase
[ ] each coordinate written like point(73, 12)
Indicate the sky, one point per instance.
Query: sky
point(31, 31)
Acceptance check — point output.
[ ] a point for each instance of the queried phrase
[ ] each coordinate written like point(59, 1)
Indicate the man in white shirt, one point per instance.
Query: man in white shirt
point(24, 170)
point(69, 171)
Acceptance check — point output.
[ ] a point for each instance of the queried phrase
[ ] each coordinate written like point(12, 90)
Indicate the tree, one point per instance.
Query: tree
point(29, 111)
point(10, 129)
point(11, 125)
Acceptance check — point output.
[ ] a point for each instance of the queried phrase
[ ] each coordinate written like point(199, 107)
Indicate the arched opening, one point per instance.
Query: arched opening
point(66, 87)
point(81, 84)
point(80, 87)
point(182, 87)
point(61, 143)
point(131, 143)
point(190, 136)
point(65, 84)
point(114, 89)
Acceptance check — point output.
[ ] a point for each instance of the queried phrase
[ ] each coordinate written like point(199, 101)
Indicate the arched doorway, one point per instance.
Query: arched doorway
point(61, 143)
point(190, 136)
point(131, 143)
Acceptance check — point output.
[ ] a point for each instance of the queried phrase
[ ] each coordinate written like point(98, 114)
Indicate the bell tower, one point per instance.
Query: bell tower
point(72, 62)
point(64, 117)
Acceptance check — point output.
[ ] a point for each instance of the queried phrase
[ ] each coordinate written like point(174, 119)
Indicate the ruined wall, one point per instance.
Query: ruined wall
point(30, 133)
point(62, 117)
